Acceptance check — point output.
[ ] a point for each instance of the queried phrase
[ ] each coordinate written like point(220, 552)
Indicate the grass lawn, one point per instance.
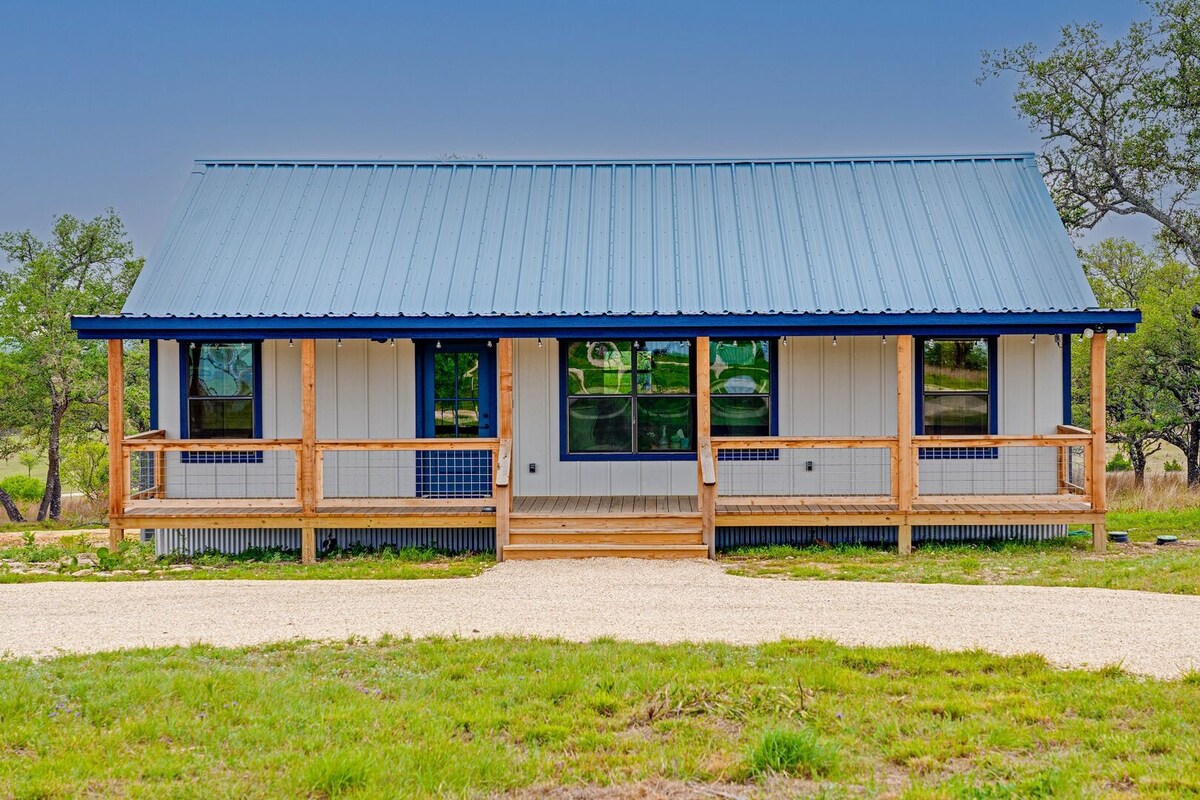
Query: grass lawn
point(1070, 562)
point(458, 718)
point(78, 558)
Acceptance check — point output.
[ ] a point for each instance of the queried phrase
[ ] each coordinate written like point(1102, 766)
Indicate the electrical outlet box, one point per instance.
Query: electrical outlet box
point(532, 467)
point(808, 466)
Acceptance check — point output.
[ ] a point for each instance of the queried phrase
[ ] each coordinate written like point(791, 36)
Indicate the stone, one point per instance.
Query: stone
point(141, 572)
point(80, 573)
point(182, 568)
point(86, 560)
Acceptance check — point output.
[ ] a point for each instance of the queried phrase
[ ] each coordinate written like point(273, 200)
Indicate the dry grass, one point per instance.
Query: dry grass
point(1160, 493)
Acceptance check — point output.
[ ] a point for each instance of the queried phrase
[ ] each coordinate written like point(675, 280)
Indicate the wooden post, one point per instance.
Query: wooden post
point(705, 459)
point(307, 465)
point(906, 465)
point(1096, 469)
point(503, 491)
point(118, 480)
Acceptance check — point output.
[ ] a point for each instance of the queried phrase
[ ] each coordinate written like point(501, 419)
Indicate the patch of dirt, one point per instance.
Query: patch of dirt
point(97, 536)
point(776, 788)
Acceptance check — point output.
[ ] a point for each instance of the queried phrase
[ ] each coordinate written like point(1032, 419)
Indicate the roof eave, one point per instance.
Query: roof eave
point(634, 325)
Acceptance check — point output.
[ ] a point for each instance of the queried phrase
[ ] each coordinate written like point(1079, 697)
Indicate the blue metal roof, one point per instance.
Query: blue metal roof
point(884, 235)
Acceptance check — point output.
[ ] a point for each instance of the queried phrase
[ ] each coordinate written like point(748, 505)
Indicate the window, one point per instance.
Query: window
point(220, 395)
point(629, 397)
point(956, 391)
point(956, 394)
point(455, 395)
point(741, 387)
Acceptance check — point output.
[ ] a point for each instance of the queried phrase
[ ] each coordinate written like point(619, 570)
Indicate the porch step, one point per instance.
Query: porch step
point(584, 550)
point(632, 534)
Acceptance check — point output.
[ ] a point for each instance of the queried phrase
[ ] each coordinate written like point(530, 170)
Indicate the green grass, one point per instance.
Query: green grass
point(71, 559)
point(1064, 562)
point(472, 718)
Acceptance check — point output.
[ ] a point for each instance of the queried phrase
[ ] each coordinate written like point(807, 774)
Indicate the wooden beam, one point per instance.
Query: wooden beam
point(307, 465)
point(503, 490)
point(904, 423)
point(1099, 407)
point(801, 442)
point(118, 480)
point(706, 468)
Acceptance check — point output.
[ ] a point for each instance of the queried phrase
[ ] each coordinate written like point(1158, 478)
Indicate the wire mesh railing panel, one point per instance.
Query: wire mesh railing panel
point(224, 475)
point(143, 477)
point(804, 472)
point(985, 471)
point(407, 474)
point(1075, 479)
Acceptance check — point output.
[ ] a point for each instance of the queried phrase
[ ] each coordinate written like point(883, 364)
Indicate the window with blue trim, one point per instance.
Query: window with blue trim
point(634, 399)
point(956, 393)
point(221, 395)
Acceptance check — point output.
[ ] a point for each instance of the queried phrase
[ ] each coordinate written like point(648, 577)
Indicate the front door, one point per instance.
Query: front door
point(456, 399)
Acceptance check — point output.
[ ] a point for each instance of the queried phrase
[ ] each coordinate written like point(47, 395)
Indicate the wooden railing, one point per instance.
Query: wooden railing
point(1004, 468)
point(765, 453)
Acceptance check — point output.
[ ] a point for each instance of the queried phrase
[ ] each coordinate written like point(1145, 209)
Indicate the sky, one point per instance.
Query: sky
point(107, 104)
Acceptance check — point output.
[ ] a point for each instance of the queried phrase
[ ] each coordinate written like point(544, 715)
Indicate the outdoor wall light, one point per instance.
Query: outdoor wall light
point(1088, 333)
point(835, 340)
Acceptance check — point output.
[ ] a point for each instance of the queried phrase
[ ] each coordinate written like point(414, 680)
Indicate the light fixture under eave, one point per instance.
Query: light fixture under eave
point(1111, 333)
point(883, 339)
point(392, 341)
point(539, 342)
point(783, 341)
point(489, 344)
point(291, 342)
point(1058, 340)
point(1033, 339)
point(835, 340)
point(438, 344)
point(1088, 333)
point(339, 343)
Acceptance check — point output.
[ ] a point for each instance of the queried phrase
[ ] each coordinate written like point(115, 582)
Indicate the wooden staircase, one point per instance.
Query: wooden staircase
point(604, 527)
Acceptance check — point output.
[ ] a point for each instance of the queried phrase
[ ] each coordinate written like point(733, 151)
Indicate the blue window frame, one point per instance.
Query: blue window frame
point(627, 399)
point(220, 397)
point(962, 401)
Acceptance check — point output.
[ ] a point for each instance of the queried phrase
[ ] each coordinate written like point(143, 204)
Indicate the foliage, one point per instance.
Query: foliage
point(515, 717)
point(1172, 465)
point(54, 386)
point(85, 466)
point(1118, 463)
point(800, 753)
point(28, 460)
point(1119, 120)
point(23, 488)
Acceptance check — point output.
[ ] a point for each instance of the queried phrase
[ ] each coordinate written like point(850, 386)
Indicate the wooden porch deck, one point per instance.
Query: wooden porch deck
point(730, 511)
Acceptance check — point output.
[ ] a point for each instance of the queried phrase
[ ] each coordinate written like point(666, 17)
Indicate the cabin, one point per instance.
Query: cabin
point(656, 358)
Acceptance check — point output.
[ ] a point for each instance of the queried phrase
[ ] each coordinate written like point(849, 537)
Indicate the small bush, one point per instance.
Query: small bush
point(1172, 466)
point(799, 753)
point(23, 488)
point(1118, 463)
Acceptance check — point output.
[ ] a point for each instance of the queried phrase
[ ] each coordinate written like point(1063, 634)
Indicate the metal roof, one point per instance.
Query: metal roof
point(906, 234)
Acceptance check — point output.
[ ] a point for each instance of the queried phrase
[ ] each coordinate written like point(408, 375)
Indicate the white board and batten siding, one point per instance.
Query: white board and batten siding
point(366, 390)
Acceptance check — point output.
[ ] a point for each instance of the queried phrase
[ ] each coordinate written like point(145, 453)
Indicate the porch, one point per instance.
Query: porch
point(290, 483)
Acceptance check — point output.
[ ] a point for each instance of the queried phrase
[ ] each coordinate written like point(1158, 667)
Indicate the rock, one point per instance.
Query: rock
point(86, 560)
point(141, 572)
point(120, 572)
point(39, 571)
point(182, 568)
point(80, 573)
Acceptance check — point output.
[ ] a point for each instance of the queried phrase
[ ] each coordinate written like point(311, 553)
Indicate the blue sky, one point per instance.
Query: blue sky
point(106, 104)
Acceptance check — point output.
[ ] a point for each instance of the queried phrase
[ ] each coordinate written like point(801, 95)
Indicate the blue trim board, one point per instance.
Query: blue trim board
point(936, 453)
point(152, 344)
point(1065, 344)
point(629, 326)
point(219, 458)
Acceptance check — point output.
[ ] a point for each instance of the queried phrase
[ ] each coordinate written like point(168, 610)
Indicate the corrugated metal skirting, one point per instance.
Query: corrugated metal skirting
point(746, 536)
point(453, 540)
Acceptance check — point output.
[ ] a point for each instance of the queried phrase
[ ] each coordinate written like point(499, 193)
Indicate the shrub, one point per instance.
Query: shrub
point(85, 467)
point(1118, 463)
point(23, 488)
point(799, 753)
point(1172, 466)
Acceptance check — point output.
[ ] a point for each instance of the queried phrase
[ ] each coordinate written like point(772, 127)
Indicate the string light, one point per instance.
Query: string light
point(883, 338)
point(539, 342)
point(291, 343)
point(1033, 339)
point(438, 344)
point(835, 340)
point(783, 341)
point(339, 343)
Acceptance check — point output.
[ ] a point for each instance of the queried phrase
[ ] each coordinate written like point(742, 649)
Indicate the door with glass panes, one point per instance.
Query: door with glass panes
point(456, 399)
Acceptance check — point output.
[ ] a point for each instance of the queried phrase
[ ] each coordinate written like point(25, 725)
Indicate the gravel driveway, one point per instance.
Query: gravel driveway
point(661, 601)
